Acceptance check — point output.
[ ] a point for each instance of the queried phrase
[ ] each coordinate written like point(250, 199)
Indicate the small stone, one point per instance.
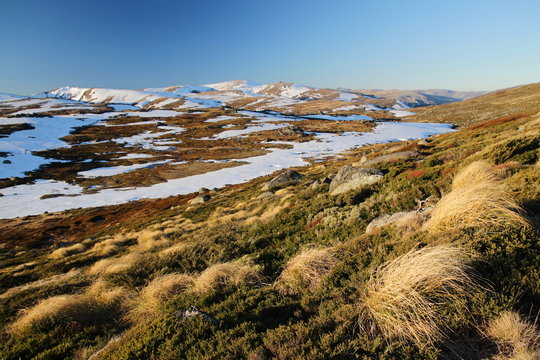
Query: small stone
point(203, 190)
point(287, 178)
point(7, 161)
point(200, 199)
point(265, 195)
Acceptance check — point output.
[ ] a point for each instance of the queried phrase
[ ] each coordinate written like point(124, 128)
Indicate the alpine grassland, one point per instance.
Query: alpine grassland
point(449, 269)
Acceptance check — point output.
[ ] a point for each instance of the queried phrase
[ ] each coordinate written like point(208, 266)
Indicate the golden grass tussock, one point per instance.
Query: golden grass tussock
point(62, 308)
point(515, 337)
point(477, 198)
point(305, 271)
point(234, 273)
point(406, 298)
point(114, 265)
point(161, 289)
point(110, 246)
point(270, 212)
point(107, 293)
point(148, 240)
point(177, 249)
point(67, 251)
point(99, 303)
point(476, 172)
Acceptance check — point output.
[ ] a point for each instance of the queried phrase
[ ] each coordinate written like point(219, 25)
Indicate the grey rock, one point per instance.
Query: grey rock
point(287, 178)
point(386, 220)
point(423, 142)
point(200, 199)
point(350, 177)
point(400, 219)
point(315, 184)
point(203, 190)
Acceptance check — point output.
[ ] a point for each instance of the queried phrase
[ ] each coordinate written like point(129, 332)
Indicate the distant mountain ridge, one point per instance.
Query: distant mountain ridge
point(284, 97)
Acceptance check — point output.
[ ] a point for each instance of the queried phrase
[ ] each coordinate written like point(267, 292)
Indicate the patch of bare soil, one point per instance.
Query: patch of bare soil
point(11, 128)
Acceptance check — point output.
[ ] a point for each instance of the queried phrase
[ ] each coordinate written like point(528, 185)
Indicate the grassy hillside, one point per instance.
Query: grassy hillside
point(297, 273)
point(504, 105)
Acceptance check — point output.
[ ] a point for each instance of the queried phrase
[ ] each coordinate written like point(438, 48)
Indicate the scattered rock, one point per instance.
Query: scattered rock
point(265, 195)
point(291, 130)
point(1, 194)
point(194, 311)
point(200, 199)
point(203, 190)
point(7, 161)
point(423, 142)
point(289, 177)
point(350, 177)
point(315, 184)
point(397, 156)
point(400, 219)
point(386, 220)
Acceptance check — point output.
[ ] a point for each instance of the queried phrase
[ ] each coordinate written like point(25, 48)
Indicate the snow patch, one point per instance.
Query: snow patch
point(24, 199)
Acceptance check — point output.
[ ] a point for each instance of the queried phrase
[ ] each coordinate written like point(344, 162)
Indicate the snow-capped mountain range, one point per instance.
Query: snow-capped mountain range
point(284, 97)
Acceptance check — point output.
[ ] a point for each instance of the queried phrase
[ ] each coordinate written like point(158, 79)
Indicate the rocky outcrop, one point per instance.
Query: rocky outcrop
point(287, 178)
point(351, 177)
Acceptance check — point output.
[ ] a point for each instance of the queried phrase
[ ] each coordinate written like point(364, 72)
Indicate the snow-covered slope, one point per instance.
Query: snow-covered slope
point(99, 95)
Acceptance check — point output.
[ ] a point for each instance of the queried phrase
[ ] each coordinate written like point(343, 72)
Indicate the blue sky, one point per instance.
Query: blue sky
point(464, 45)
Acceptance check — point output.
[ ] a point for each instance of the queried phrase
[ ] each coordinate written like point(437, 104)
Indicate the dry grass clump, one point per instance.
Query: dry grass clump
point(305, 271)
point(475, 172)
point(114, 265)
point(148, 240)
point(232, 273)
point(515, 337)
point(99, 303)
point(51, 311)
point(177, 249)
point(106, 293)
point(477, 198)
point(407, 297)
point(157, 293)
point(110, 246)
point(67, 251)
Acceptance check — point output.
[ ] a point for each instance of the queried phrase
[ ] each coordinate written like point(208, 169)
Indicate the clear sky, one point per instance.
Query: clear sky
point(458, 44)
